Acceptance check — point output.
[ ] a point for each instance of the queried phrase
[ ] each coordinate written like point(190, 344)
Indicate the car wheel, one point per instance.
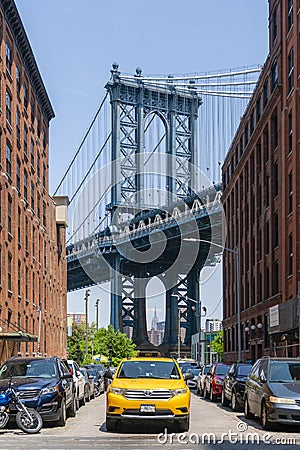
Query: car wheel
point(224, 400)
point(234, 403)
point(213, 396)
point(73, 407)
point(247, 412)
point(266, 424)
point(63, 414)
point(184, 424)
point(111, 425)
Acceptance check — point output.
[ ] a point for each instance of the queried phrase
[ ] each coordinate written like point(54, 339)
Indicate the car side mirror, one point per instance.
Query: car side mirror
point(188, 376)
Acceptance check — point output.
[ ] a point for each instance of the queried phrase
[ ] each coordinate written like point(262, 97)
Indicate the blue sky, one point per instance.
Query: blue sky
point(76, 42)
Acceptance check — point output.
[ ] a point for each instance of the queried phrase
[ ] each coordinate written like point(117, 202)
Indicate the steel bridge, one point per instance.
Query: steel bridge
point(141, 206)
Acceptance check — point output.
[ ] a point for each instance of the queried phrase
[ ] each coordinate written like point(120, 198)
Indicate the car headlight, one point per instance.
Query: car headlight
point(49, 390)
point(178, 391)
point(286, 401)
point(117, 391)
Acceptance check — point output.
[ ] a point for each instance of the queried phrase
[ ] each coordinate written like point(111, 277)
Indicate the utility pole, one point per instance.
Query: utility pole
point(87, 294)
point(97, 313)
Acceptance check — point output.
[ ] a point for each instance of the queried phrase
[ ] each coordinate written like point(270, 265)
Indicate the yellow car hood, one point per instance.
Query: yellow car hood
point(147, 383)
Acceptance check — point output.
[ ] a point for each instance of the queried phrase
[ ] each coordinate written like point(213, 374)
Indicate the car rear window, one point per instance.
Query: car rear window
point(148, 369)
point(221, 370)
point(284, 372)
point(243, 370)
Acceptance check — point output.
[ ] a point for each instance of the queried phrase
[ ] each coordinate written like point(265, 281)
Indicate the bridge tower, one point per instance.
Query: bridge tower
point(133, 100)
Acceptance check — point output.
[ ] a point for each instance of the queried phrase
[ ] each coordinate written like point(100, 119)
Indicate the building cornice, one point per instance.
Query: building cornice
point(15, 24)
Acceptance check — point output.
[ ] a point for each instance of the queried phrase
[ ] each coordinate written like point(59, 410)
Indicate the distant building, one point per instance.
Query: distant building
point(76, 318)
point(33, 265)
point(213, 325)
point(156, 333)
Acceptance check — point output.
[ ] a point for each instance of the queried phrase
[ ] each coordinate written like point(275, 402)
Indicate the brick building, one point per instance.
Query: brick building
point(261, 199)
point(32, 224)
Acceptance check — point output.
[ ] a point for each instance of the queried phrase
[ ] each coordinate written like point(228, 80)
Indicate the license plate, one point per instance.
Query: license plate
point(147, 408)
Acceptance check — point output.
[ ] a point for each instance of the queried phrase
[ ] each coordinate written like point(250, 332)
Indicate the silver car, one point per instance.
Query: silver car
point(200, 380)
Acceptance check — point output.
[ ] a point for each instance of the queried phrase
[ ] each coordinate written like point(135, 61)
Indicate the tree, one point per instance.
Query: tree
point(217, 344)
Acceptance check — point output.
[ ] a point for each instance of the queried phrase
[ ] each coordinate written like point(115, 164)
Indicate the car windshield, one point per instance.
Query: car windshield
point(243, 371)
point(29, 369)
point(148, 369)
point(284, 372)
point(221, 370)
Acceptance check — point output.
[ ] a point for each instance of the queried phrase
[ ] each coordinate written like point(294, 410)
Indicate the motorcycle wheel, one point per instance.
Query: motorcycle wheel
point(24, 423)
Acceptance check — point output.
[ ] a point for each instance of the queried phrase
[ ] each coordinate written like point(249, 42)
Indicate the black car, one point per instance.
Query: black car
point(272, 391)
point(101, 371)
point(99, 384)
point(44, 384)
point(234, 386)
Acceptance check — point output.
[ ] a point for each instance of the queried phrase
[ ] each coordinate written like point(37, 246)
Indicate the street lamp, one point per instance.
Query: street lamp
point(86, 298)
point(238, 286)
point(97, 313)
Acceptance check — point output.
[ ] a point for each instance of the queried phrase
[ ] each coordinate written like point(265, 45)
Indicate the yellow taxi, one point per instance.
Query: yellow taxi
point(148, 389)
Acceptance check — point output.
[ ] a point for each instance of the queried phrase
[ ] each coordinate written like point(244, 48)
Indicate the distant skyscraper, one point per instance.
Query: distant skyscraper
point(154, 320)
point(212, 325)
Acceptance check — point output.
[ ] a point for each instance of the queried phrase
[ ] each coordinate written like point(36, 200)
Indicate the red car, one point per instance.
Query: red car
point(213, 381)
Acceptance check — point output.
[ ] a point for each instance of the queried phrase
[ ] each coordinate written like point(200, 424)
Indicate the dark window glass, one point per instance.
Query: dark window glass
point(25, 186)
point(265, 92)
point(25, 90)
point(18, 80)
point(8, 57)
point(290, 14)
point(290, 125)
point(274, 25)
point(9, 274)
point(274, 75)
point(290, 192)
point(8, 107)
point(276, 179)
point(18, 120)
point(258, 110)
point(8, 158)
point(291, 70)
point(18, 177)
point(25, 141)
point(9, 214)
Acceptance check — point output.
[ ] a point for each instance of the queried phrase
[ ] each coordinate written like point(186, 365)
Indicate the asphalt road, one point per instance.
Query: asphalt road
point(212, 427)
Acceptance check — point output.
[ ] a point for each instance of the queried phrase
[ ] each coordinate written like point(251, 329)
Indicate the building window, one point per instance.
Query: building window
point(290, 15)
point(25, 90)
point(246, 134)
point(8, 57)
point(8, 158)
point(275, 278)
point(32, 196)
point(26, 235)
point(291, 70)
point(290, 192)
point(44, 176)
point(25, 186)
point(258, 111)
point(19, 278)
point(18, 80)
point(267, 191)
point(267, 238)
point(44, 215)
point(274, 75)
point(19, 225)
point(276, 179)
point(8, 107)
point(290, 120)
point(18, 177)
point(18, 119)
point(32, 111)
point(267, 282)
point(25, 141)
point(9, 274)
point(32, 153)
point(265, 93)
point(252, 122)
point(9, 214)
point(44, 139)
point(38, 128)
point(38, 205)
point(274, 25)
point(38, 166)
point(266, 144)
point(26, 283)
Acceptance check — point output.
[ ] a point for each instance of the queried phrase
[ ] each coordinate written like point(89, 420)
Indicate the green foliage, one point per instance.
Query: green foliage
point(98, 344)
point(217, 344)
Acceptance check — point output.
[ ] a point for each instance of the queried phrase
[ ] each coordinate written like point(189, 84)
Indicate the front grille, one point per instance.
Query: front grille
point(147, 394)
point(158, 412)
point(29, 393)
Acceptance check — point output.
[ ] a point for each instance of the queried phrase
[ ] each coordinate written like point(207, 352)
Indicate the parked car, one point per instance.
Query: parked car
point(200, 380)
point(213, 381)
point(272, 391)
point(148, 389)
point(234, 386)
point(192, 384)
point(44, 384)
point(99, 384)
point(185, 365)
point(101, 371)
point(89, 386)
point(78, 379)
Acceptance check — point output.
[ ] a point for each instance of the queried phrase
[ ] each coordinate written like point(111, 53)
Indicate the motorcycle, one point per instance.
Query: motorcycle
point(27, 419)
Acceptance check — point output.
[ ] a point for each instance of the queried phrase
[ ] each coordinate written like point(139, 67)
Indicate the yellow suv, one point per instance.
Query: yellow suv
point(148, 388)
